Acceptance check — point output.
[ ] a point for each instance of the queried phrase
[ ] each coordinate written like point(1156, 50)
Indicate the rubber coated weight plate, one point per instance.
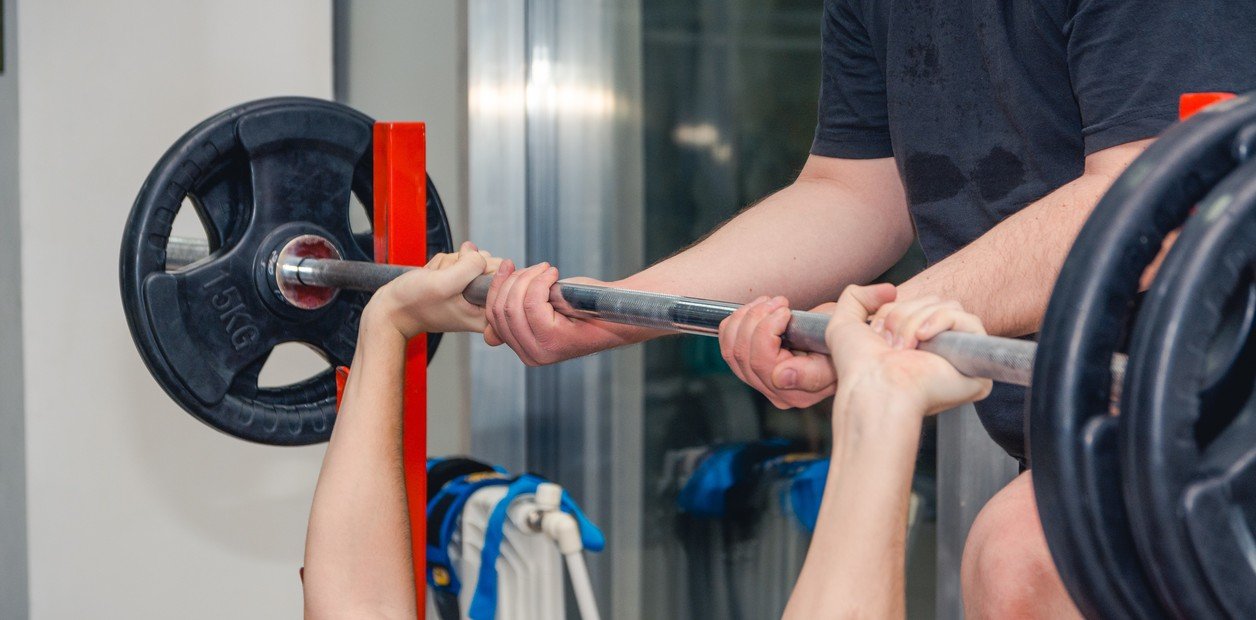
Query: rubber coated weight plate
point(257, 175)
point(1190, 416)
point(1076, 479)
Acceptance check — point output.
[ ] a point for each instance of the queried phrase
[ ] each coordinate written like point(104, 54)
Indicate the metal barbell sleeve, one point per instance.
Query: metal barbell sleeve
point(1007, 360)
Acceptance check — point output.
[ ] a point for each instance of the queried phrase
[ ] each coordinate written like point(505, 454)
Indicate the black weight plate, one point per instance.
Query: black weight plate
point(1189, 446)
point(256, 174)
point(1090, 307)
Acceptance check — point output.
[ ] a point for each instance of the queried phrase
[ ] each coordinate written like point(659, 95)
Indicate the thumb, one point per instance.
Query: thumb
point(491, 338)
point(467, 266)
point(857, 303)
point(808, 373)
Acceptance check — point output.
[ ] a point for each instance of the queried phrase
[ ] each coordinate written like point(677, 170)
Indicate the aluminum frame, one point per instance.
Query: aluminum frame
point(555, 151)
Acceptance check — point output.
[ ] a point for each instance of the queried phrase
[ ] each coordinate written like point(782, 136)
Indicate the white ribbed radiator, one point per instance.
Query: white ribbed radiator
point(529, 565)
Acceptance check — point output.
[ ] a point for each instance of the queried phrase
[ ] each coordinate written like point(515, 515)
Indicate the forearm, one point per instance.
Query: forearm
point(1005, 276)
point(805, 242)
point(855, 564)
point(357, 555)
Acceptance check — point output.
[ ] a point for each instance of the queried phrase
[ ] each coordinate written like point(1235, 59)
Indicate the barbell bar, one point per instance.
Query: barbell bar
point(1007, 360)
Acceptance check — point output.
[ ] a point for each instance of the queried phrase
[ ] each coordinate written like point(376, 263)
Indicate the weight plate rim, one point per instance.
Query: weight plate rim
point(1070, 384)
point(133, 274)
point(1149, 462)
point(132, 271)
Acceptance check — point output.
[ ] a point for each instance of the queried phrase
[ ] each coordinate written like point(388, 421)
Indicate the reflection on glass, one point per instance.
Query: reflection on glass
point(729, 108)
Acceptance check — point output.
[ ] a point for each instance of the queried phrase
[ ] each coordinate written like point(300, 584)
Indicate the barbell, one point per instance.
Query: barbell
point(307, 269)
point(271, 183)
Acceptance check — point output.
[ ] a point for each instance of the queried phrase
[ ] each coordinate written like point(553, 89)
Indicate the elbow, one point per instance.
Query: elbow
point(899, 234)
point(902, 235)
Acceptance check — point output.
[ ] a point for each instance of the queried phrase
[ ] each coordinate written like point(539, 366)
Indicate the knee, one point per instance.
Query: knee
point(1007, 571)
point(1002, 579)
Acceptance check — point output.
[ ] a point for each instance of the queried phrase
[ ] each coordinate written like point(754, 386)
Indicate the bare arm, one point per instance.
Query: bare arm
point(1006, 275)
point(841, 221)
point(357, 550)
point(854, 566)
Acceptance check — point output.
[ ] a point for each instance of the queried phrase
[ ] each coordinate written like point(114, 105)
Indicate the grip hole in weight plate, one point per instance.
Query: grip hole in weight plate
point(360, 218)
point(290, 363)
point(187, 224)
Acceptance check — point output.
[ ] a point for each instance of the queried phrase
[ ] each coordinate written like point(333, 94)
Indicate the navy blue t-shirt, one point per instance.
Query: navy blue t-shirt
point(989, 105)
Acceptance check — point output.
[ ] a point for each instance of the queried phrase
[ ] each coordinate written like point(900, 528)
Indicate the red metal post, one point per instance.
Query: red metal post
point(401, 239)
point(1190, 103)
point(342, 379)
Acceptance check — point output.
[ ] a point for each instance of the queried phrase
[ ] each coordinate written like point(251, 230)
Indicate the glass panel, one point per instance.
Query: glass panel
point(729, 92)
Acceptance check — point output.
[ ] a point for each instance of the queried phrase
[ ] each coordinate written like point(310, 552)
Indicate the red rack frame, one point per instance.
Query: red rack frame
point(400, 225)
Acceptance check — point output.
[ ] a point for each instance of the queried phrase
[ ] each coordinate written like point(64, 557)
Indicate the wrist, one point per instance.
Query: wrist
point(384, 312)
point(872, 393)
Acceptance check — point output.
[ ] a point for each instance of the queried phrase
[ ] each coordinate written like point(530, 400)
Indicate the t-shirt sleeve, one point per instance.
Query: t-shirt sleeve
point(1129, 61)
point(853, 120)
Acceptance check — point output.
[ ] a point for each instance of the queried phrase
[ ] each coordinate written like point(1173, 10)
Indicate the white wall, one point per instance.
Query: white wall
point(405, 60)
point(135, 509)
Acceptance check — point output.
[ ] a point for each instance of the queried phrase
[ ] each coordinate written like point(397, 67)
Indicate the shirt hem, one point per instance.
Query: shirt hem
point(852, 147)
point(1138, 125)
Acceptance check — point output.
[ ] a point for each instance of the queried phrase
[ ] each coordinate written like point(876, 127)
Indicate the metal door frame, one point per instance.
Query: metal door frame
point(556, 175)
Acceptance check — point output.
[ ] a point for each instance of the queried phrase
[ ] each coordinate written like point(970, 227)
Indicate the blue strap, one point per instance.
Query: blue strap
point(590, 535)
point(806, 490)
point(460, 489)
point(703, 493)
point(484, 603)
